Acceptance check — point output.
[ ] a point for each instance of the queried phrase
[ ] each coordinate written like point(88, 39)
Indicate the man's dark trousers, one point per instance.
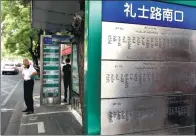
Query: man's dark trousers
point(67, 83)
point(28, 94)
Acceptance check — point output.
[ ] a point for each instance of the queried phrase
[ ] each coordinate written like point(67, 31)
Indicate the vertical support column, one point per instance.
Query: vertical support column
point(92, 67)
point(183, 2)
point(58, 100)
point(41, 69)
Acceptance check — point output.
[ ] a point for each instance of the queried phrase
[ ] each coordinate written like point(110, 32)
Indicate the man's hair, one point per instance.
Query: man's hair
point(67, 60)
point(25, 59)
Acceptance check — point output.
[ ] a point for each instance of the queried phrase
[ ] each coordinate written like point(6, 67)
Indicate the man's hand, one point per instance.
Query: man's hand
point(34, 73)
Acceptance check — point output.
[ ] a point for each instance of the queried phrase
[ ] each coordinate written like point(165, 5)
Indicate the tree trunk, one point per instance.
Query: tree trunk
point(34, 57)
point(36, 53)
point(80, 49)
point(38, 43)
point(81, 75)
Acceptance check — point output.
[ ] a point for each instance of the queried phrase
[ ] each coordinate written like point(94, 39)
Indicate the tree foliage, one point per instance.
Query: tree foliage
point(19, 37)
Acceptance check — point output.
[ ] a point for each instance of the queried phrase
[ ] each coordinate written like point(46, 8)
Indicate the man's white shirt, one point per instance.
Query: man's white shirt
point(27, 72)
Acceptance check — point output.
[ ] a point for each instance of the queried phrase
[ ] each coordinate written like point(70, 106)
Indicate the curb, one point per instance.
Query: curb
point(76, 115)
point(15, 120)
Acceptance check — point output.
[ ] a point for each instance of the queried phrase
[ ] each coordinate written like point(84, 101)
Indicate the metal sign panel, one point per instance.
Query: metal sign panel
point(138, 114)
point(171, 131)
point(141, 42)
point(128, 78)
point(142, 62)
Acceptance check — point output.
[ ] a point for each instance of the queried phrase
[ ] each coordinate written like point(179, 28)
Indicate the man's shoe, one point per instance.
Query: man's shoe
point(25, 110)
point(30, 112)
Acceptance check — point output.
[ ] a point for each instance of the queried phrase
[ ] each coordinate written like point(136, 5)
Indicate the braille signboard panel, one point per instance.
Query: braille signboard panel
point(129, 78)
point(148, 57)
point(171, 131)
point(137, 114)
point(141, 42)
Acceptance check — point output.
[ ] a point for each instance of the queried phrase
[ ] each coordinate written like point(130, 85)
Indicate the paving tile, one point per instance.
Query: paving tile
point(55, 124)
point(31, 129)
point(57, 119)
point(5, 116)
point(23, 130)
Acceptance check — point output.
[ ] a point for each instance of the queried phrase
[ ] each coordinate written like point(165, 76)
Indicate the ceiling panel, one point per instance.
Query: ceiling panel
point(55, 16)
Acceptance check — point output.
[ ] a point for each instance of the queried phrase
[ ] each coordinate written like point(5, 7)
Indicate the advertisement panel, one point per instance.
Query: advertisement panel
point(75, 76)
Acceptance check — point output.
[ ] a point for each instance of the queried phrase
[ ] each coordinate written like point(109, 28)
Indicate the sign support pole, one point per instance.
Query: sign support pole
point(92, 67)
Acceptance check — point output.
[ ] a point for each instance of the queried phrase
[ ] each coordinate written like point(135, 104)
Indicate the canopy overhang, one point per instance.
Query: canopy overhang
point(53, 15)
point(66, 51)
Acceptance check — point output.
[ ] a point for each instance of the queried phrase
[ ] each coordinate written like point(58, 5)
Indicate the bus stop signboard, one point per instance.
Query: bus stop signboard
point(152, 47)
point(50, 77)
point(50, 59)
point(148, 67)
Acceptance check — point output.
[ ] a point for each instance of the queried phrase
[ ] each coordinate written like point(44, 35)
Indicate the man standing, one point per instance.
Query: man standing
point(67, 79)
point(28, 73)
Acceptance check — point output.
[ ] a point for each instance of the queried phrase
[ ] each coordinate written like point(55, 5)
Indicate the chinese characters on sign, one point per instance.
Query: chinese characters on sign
point(156, 13)
point(47, 40)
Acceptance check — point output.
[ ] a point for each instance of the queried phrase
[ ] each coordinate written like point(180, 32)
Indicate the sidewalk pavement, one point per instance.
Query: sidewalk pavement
point(50, 120)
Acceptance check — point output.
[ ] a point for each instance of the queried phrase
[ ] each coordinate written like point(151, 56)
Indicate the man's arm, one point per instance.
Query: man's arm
point(64, 69)
point(22, 74)
point(34, 72)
